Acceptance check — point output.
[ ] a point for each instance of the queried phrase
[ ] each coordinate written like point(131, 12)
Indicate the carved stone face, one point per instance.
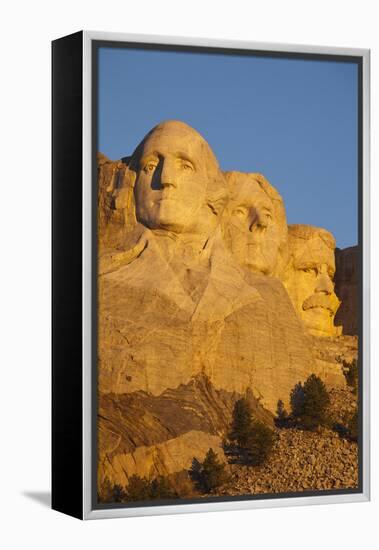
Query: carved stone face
point(172, 178)
point(310, 278)
point(254, 232)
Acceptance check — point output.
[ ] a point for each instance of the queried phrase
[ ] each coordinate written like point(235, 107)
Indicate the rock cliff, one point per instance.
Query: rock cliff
point(346, 288)
point(184, 328)
point(147, 435)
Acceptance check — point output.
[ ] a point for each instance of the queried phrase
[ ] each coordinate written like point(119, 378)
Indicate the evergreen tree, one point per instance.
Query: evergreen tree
point(242, 422)
point(351, 374)
point(297, 400)
point(213, 472)
point(281, 413)
point(138, 488)
point(259, 443)
point(254, 438)
point(316, 401)
point(118, 493)
point(161, 488)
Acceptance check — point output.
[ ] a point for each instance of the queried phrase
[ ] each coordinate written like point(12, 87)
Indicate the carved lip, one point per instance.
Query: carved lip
point(318, 307)
point(319, 302)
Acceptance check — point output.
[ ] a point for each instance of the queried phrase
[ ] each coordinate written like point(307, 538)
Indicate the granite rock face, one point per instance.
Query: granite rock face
point(330, 353)
point(347, 288)
point(152, 336)
point(147, 435)
point(115, 207)
point(192, 309)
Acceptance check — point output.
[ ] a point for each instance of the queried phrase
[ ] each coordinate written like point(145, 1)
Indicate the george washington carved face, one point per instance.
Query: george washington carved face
point(176, 173)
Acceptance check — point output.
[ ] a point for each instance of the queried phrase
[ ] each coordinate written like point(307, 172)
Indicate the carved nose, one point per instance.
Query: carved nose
point(258, 221)
point(324, 284)
point(168, 176)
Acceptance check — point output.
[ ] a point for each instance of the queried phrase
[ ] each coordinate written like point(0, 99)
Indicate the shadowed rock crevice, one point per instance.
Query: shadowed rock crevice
point(347, 289)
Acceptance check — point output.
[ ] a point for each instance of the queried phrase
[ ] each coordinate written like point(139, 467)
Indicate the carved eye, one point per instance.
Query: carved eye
point(240, 212)
point(309, 270)
point(186, 165)
point(263, 219)
point(150, 167)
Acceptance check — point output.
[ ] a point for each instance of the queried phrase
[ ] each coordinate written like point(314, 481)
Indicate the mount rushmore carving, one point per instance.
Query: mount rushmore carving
point(203, 290)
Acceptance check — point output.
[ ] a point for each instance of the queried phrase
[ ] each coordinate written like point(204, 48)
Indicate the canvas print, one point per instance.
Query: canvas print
point(227, 276)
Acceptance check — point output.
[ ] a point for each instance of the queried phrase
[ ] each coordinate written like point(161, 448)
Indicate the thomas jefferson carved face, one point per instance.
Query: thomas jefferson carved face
point(255, 224)
point(174, 166)
point(309, 279)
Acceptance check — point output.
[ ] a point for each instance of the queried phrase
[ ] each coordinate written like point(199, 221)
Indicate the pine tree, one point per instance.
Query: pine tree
point(281, 413)
point(351, 374)
point(254, 438)
point(316, 401)
point(242, 422)
point(213, 472)
point(297, 400)
point(118, 493)
point(161, 488)
point(138, 488)
point(259, 443)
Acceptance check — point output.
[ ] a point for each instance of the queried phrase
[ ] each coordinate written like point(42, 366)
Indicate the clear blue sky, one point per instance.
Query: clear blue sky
point(295, 121)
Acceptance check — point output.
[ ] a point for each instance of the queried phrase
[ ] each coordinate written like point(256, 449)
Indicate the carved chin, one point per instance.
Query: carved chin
point(319, 321)
point(172, 216)
point(169, 214)
point(256, 263)
point(163, 215)
point(257, 267)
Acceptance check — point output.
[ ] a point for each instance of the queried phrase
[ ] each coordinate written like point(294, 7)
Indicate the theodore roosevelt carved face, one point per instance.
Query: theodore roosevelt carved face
point(309, 278)
point(178, 182)
point(254, 224)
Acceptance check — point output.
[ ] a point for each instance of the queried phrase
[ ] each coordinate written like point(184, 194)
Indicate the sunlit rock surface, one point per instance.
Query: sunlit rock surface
point(192, 310)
